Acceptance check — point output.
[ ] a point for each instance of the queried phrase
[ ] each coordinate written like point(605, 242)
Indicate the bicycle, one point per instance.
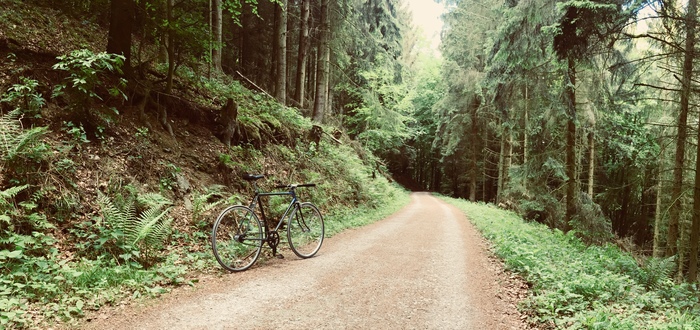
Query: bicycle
point(238, 236)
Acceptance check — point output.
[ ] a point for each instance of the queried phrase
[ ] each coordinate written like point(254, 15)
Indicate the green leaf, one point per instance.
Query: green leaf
point(6, 254)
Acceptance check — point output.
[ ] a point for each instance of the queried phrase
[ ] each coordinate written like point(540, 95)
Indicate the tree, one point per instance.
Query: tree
point(217, 28)
point(322, 65)
point(691, 19)
point(170, 44)
point(302, 53)
point(461, 114)
point(687, 73)
point(120, 27)
point(583, 25)
point(281, 56)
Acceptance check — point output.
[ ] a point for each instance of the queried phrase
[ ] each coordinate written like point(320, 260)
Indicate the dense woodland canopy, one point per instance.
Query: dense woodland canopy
point(578, 114)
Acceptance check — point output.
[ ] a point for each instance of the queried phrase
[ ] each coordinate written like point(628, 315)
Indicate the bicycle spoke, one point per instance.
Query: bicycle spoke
point(306, 230)
point(237, 238)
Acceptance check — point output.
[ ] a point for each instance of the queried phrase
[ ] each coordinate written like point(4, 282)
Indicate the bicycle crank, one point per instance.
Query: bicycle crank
point(273, 240)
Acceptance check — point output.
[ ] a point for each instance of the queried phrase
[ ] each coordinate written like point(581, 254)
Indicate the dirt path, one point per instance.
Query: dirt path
point(425, 267)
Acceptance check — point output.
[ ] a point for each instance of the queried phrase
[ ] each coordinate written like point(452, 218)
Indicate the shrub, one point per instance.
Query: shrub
point(589, 222)
point(87, 73)
point(25, 98)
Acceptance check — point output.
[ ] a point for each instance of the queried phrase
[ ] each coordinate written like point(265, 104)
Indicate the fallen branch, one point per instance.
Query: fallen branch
point(333, 138)
point(254, 85)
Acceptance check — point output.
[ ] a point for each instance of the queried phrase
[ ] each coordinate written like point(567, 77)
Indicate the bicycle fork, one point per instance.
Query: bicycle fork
point(300, 220)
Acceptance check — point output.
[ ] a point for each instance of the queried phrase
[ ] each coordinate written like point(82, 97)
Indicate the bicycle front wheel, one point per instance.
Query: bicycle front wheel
point(237, 238)
point(305, 230)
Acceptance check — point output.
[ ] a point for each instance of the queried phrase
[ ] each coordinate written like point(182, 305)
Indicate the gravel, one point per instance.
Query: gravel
point(425, 267)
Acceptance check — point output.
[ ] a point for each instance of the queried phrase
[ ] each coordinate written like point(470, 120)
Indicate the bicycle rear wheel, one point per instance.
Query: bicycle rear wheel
point(305, 230)
point(236, 238)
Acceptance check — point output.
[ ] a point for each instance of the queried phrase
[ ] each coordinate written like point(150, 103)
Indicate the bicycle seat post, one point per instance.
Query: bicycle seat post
point(256, 188)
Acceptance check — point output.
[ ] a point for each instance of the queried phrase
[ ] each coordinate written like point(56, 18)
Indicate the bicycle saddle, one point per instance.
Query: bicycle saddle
point(252, 177)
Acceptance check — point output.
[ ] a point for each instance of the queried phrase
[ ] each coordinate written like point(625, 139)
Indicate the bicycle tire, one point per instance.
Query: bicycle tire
point(305, 230)
point(237, 238)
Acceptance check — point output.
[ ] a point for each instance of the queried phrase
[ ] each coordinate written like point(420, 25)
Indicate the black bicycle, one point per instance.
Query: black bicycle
point(238, 234)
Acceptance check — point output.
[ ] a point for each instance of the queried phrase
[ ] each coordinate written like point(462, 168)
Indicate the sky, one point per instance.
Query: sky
point(426, 14)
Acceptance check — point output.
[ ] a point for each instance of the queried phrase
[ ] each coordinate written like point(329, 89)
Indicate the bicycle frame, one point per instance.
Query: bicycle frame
point(256, 200)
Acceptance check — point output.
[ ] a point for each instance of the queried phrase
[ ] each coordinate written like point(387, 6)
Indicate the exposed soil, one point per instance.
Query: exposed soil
point(425, 267)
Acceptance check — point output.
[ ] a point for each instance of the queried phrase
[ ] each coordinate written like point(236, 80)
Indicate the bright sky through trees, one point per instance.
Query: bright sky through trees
point(426, 15)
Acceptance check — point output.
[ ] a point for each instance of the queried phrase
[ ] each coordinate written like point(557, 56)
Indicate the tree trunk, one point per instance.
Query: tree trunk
point(509, 158)
point(591, 162)
point(329, 96)
point(525, 128)
point(485, 159)
point(501, 165)
point(525, 139)
point(170, 46)
point(674, 212)
point(687, 75)
point(211, 37)
point(642, 222)
point(505, 161)
point(313, 74)
point(245, 50)
point(217, 23)
point(303, 51)
point(281, 71)
point(322, 65)
point(474, 154)
point(658, 217)
point(120, 25)
point(570, 94)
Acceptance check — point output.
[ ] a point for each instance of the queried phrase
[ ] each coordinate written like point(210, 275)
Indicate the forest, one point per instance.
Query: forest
point(577, 114)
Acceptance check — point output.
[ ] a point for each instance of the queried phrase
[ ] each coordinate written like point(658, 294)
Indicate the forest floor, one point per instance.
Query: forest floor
point(425, 267)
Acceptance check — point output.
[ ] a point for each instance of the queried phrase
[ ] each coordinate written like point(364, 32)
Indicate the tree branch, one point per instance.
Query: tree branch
point(647, 35)
point(657, 87)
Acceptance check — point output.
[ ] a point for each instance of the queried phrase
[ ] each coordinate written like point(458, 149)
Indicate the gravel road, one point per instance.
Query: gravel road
point(425, 267)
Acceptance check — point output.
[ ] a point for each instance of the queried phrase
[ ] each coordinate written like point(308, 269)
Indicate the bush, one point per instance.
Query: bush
point(87, 74)
point(590, 224)
point(25, 98)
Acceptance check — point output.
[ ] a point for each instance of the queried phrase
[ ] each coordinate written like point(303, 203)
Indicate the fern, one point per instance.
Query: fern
point(153, 199)
point(7, 206)
point(146, 231)
point(655, 271)
point(113, 215)
point(14, 140)
point(200, 202)
point(10, 193)
point(151, 227)
point(10, 131)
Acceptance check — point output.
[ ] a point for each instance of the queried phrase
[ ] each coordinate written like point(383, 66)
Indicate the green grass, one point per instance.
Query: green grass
point(391, 197)
point(575, 286)
point(52, 290)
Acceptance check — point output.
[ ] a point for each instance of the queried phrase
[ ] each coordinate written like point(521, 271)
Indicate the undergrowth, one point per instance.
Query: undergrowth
point(576, 286)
